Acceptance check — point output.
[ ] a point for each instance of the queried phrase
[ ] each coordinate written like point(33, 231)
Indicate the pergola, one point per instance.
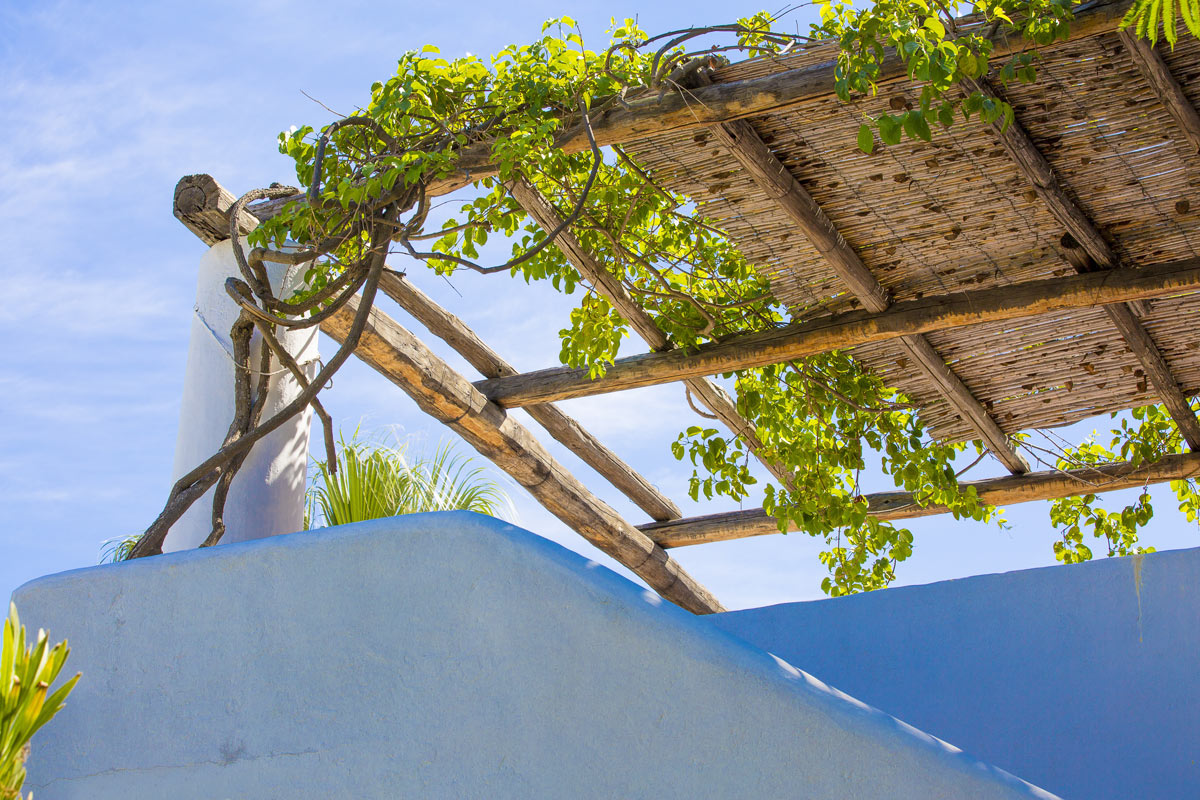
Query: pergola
point(1005, 280)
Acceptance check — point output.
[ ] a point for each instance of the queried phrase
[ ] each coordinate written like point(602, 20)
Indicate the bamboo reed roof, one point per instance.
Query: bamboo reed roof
point(959, 214)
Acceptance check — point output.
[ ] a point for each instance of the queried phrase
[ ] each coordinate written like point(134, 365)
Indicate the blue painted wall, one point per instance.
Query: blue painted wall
point(1083, 679)
point(441, 656)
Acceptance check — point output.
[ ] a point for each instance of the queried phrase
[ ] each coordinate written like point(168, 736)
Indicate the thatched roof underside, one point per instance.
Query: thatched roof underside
point(957, 213)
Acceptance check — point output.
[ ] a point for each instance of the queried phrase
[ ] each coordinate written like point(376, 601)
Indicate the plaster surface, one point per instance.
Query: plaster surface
point(267, 495)
point(1084, 679)
point(441, 655)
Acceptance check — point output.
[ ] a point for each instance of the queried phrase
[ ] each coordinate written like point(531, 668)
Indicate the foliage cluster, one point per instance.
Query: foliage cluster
point(1150, 435)
point(27, 671)
point(822, 416)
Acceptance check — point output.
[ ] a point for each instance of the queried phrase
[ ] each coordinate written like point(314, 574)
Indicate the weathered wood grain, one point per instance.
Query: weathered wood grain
point(773, 177)
point(1009, 490)
point(1166, 88)
point(845, 331)
point(1036, 169)
point(449, 397)
point(563, 428)
point(1157, 370)
point(708, 393)
point(203, 205)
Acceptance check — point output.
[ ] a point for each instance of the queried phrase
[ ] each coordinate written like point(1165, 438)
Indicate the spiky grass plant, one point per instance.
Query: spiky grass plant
point(26, 674)
point(374, 480)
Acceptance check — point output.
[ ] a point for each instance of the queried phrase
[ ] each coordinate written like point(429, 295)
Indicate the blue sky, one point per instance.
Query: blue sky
point(106, 106)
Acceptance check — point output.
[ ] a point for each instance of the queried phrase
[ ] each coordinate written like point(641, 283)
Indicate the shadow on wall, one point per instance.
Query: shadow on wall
point(1084, 679)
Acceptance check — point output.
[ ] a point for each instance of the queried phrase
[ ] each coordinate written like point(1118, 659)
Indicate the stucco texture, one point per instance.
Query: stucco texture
point(1084, 679)
point(441, 656)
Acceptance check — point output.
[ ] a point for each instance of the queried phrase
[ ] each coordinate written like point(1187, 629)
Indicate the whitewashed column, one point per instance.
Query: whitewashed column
point(267, 494)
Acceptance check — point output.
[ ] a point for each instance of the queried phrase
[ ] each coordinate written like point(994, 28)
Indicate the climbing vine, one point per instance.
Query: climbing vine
point(1146, 435)
point(367, 180)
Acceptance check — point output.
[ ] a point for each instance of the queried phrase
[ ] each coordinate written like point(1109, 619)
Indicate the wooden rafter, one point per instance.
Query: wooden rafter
point(708, 393)
point(1051, 190)
point(1168, 91)
point(203, 206)
point(800, 339)
point(450, 398)
point(774, 178)
point(447, 396)
point(563, 428)
point(1009, 490)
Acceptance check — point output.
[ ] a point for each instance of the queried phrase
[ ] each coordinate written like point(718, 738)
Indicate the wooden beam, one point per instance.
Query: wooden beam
point(656, 112)
point(563, 428)
point(449, 397)
point(933, 313)
point(708, 393)
point(1044, 181)
point(1009, 490)
point(199, 200)
point(1156, 73)
point(776, 180)
point(1158, 371)
point(203, 205)
point(1032, 164)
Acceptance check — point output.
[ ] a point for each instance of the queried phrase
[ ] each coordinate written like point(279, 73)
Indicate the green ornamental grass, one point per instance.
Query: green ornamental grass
point(372, 481)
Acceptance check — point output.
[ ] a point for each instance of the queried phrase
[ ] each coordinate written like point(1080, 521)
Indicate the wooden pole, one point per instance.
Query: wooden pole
point(1032, 164)
point(449, 397)
point(203, 206)
point(1009, 490)
point(708, 393)
point(774, 178)
point(567, 431)
point(848, 330)
point(1156, 73)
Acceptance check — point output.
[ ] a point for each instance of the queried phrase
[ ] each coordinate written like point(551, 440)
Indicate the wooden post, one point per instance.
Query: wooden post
point(939, 312)
point(203, 206)
point(1032, 164)
point(1009, 490)
point(567, 431)
point(450, 398)
point(707, 392)
point(773, 177)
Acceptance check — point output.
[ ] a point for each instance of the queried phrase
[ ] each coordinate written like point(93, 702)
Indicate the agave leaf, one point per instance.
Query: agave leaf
point(33, 661)
point(8, 655)
point(55, 702)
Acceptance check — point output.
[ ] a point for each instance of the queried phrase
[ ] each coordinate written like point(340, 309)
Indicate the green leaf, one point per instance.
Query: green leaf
point(866, 139)
point(889, 129)
point(916, 126)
